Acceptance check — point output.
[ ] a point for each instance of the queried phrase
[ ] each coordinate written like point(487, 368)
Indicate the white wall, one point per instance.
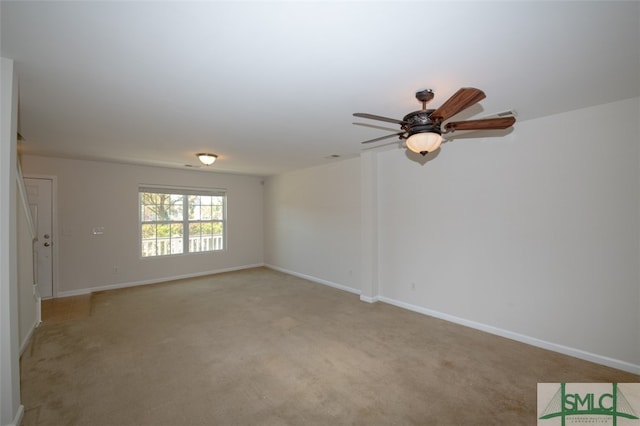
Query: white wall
point(535, 233)
point(10, 408)
point(101, 194)
point(534, 236)
point(312, 223)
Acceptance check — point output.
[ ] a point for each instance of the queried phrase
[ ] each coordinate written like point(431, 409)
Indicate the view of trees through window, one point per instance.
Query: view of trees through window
point(176, 223)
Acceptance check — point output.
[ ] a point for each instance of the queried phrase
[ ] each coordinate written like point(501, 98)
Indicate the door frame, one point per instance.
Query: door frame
point(54, 227)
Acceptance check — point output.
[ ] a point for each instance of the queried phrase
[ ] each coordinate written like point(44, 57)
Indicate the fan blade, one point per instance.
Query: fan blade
point(483, 124)
point(460, 101)
point(375, 126)
point(377, 117)
point(384, 137)
point(381, 145)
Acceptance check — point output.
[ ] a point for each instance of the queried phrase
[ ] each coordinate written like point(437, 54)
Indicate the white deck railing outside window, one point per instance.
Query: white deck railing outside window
point(166, 246)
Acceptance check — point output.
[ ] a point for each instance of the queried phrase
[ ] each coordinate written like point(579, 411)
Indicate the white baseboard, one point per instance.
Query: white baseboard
point(576, 353)
point(314, 279)
point(17, 420)
point(90, 290)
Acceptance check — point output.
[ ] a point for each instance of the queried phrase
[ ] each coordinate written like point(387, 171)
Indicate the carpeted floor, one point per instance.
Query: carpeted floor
point(65, 309)
point(258, 347)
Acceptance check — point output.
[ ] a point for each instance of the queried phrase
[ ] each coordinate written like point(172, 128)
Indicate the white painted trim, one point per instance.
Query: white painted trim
point(153, 281)
point(17, 421)
point(314, 279)
point(368, 299)
point(577, 353)
point(36, 294)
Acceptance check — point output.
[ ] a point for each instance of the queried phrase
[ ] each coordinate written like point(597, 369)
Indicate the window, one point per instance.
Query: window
point(178, 220)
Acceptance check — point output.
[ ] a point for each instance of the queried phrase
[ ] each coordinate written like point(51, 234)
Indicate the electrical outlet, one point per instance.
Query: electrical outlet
point(413, 286)
point(116, 269)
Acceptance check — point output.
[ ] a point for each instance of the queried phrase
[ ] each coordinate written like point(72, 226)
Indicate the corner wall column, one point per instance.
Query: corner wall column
point(369, 221)
point(10, 408)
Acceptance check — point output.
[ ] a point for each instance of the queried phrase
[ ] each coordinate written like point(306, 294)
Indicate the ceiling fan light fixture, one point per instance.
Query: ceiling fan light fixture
point(206, 158)
point(424, 143)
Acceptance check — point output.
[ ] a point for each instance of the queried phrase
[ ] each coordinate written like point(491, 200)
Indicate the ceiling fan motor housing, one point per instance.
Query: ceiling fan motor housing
point(419, 122)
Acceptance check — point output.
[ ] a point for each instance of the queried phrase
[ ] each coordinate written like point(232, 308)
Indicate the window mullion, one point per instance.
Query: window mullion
point(185, 224)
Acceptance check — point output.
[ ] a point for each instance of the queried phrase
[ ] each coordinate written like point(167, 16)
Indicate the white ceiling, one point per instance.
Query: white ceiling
point(271, 86)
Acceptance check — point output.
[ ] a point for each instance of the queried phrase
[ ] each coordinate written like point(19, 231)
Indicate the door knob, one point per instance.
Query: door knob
point(47, 244)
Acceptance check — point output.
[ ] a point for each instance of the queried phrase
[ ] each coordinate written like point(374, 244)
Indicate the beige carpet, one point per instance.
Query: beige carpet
point(65, 309)
point(259, 347)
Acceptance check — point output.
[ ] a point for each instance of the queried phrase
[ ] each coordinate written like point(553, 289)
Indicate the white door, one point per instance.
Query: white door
point(39, 192)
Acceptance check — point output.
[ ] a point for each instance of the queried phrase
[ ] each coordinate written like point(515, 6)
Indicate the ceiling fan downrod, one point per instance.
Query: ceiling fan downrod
point(424, 96)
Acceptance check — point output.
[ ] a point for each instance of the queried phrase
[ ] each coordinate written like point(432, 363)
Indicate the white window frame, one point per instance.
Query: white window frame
point(215, 245)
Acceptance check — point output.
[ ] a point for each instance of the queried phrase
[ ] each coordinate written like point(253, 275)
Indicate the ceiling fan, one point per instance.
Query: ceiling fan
point(423, 129)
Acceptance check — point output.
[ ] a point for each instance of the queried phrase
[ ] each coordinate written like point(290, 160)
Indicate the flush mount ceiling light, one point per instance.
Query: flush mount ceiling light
point(206, 158)
point(423, 129)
